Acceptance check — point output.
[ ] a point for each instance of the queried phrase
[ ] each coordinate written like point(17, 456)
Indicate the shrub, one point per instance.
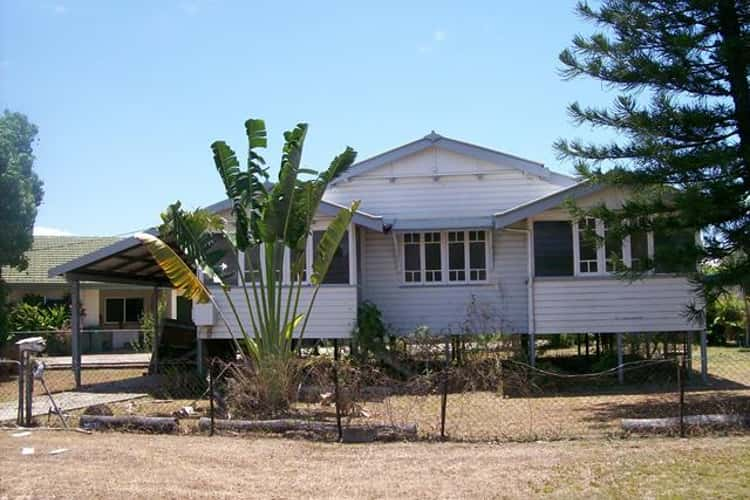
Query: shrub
point(725, 319)
point(26, 316)
point(369, 338)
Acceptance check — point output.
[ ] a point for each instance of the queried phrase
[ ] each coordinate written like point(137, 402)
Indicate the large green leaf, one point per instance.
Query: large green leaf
point(194, 234)
point(179, 273)
point(277, 212)
point(330, 241)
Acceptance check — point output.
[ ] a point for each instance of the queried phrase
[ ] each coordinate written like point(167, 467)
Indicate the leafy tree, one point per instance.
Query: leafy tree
point(21, 188)
point(681, 123)
point(267, 217)
point(20, 195)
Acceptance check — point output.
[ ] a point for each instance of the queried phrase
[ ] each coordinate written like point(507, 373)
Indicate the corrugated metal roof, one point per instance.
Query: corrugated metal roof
point(50, 251)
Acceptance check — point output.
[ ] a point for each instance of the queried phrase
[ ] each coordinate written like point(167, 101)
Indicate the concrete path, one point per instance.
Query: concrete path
point(126, 360)
point(65, 401)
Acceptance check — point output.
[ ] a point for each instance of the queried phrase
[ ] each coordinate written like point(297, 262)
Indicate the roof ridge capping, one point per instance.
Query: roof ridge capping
point(530, 167)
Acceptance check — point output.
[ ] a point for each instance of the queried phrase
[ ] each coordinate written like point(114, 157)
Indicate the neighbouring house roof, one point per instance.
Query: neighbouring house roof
point(464, 148)
point(48, 252)
point(546, 202)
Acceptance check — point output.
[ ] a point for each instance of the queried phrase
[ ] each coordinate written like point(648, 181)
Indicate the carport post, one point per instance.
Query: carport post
point(156, 340)
point(620, 372)
point(75, 330)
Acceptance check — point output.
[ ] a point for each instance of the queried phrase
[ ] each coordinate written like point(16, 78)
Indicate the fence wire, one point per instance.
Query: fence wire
point(463, 389)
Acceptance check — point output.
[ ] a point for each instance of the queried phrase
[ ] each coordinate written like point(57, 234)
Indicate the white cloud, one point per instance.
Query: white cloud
point(50, 231)
point(60, 9)
point(438, 36)
point(423, 49)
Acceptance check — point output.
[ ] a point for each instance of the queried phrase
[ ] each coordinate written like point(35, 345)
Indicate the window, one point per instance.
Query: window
point(587, 248)
point(432, 258)
point(119, 310)
point(184, 310)
point(114, 310)
point(338, 272)
point(456, 256)
point(445, 257)
point(612, 250)
point(553, 248)
point(600, 257)
point(674, 251)
point(298, 260)
point(252, 264)
point(477, 256)
point(639, 250)
point(227, 263)
point(412, 258)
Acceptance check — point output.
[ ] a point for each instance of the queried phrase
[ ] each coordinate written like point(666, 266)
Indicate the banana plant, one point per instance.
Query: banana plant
point(272, 217)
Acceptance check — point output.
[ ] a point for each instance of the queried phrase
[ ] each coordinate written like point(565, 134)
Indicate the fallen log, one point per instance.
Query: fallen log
point(718, 420)
point(352, 433)
point(153, 424)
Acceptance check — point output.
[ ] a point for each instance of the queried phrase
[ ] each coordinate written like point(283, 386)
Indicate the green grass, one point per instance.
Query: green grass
point(695, 469)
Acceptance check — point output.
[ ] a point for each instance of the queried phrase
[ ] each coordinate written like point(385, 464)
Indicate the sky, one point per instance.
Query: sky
point(128, 96)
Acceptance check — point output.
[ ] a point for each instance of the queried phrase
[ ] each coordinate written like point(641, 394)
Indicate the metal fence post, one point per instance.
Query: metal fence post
point(211, 393)
point(681, 383)
point(444, 399)
point(336, 388)
point(21, 391)
point(29, 387)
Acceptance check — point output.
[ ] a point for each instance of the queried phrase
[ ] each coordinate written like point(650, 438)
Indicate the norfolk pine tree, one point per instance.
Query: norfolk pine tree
point(681, 122)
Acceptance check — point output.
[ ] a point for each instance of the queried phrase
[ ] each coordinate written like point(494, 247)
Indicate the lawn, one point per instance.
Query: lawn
point(112, 465)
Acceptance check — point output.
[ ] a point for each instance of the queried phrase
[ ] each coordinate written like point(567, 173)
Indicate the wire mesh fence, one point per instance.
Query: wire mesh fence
point(467, 389)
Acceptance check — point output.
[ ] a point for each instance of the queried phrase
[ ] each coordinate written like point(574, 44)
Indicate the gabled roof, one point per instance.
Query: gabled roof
point(546, 202)
point(464, 148)
point(50, 251)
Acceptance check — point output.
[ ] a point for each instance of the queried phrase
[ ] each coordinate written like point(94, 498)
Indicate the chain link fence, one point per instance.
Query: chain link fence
point(454, 388)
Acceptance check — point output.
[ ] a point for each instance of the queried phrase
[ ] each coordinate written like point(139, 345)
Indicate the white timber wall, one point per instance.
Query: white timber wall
point(436, 183)
point(606, 304)
point(444, 308)
point(334, 313)
point(610, 305)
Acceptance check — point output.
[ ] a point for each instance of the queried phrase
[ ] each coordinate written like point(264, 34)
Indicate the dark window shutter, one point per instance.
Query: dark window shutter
point(553, 248)
point(338, 272)
point(674, 251)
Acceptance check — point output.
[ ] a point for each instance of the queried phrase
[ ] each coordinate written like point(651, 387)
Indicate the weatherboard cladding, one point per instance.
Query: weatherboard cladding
point(444, 307)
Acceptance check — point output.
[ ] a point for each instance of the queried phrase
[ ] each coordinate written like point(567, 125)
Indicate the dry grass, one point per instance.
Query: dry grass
point(112, 465)
point(62, 380)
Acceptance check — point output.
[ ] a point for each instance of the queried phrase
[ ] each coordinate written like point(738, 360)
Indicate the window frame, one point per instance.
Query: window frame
point(124, 301)
point(445, 258)
point(601, 250)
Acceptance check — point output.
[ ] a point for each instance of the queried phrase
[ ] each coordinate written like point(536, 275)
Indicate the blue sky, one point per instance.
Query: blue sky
point(129, 95)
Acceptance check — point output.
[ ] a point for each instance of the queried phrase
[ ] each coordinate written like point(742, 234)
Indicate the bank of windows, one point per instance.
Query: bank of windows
point(292, 265)
point(594, 256)
point(445, 257)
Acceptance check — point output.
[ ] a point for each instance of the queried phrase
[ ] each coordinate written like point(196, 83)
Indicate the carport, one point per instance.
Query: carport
point(124, 262)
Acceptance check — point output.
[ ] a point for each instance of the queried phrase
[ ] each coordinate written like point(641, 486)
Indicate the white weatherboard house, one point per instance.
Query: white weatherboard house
point(444, 224)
